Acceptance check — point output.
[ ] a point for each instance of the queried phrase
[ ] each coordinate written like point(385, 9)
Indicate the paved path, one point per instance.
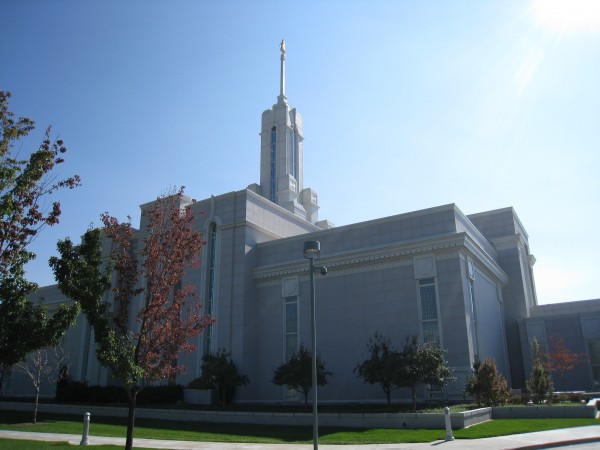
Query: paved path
point(530, 441)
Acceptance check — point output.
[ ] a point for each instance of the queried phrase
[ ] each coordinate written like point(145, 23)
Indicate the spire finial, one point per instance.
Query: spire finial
point(282, 75)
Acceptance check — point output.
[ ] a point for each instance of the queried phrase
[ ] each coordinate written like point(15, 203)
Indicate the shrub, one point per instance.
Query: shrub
point(220, 373)
point(515, 399)
point(297, 372)
point(487, 386)
point(199, 383)
point(153, 395)
point(539, 382)
point(70, 391)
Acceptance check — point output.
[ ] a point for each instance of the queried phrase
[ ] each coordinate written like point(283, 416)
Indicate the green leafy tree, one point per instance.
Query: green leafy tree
point(220, 373)
point(539, 382)
point(297, 372)
point(487, 386)
point(422, 364)
point(382, 366)
point(26, 186)
point(159, 304)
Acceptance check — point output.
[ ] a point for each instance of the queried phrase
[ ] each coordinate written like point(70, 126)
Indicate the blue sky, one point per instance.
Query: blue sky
point(406, 105)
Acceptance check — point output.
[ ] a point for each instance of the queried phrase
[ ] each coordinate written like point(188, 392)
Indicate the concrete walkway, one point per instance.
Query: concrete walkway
point(539, 440)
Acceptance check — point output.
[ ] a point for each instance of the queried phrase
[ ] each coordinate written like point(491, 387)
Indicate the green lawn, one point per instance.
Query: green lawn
point(199, 431)
point(13, 444)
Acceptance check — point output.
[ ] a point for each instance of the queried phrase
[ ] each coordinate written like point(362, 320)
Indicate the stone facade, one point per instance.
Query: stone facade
point(464, 281)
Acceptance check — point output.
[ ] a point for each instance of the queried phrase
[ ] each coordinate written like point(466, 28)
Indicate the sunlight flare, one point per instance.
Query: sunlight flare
point(567, 16)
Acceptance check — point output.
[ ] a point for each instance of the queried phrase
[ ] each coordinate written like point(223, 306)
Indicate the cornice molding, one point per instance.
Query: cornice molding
point(383, 257)
point(508, 242)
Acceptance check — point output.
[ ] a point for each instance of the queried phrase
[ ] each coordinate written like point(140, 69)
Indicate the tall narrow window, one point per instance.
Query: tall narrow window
point(295, 153)
point(273, 164)
point(594, 352)
point(291, 326)
point(473, 310)
point(429, 313)
point(211, 283)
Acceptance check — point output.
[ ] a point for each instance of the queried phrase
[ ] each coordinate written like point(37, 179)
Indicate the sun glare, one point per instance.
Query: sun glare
point(568, 16)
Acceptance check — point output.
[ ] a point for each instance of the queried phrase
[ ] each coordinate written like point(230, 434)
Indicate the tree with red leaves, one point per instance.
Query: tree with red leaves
point(560, 359)
point(148, 287)
point(26, 184)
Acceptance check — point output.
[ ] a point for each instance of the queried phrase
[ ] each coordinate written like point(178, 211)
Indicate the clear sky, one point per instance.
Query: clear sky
point(406, 105)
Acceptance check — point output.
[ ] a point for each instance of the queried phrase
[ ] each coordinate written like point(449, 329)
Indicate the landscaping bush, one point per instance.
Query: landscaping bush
point(153, 395)
point(487, 386)
point(220, 373)
point(515, 399)
point(70, 391)
point(200, 383)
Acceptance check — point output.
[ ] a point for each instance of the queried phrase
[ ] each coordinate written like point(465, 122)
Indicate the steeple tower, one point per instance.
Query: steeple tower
point(281, 168)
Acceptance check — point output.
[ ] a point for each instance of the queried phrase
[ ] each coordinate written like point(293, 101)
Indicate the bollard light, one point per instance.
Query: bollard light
point(86, 429)
point(449, 436)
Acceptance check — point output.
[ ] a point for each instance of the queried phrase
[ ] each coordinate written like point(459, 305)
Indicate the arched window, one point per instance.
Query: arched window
point(273, 164)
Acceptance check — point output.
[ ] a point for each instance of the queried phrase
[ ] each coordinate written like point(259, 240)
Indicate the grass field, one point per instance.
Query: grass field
point(12, 444)
point(207, 432)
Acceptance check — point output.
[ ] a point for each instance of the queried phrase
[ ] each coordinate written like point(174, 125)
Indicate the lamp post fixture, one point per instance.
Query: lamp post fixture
point(312, 249)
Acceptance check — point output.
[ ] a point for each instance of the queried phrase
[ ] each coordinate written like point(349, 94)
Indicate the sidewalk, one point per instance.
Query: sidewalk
point(530, 441)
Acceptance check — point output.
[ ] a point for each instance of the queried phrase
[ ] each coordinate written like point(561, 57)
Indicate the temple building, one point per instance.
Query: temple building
point(464, 281)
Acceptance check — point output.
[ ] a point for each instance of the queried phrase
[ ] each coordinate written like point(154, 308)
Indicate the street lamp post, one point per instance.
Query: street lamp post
point(312, 249)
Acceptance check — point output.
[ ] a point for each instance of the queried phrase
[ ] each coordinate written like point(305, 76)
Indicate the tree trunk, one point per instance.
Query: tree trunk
point(132, 396)
point(414, 397)
point(388, 394)
point(35, 404)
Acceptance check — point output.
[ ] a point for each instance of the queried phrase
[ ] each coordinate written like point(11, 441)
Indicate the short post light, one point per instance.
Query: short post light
point(448, 423)
point(312, 249)
point(86, 429)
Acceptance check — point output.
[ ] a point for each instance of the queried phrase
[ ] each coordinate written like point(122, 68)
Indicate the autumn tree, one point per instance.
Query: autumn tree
point(39, 366)
point(539, 382)
point(296, 373)
point(27, 184)
point(422, 363)
point(148, 286)
point(560, 359)
point(382, 366)
point(487, 386)
point(220, 373)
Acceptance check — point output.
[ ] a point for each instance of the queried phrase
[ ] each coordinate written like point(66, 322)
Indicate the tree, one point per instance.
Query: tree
point(41, 365)
point(297, 372)
point(220, 373)
point(422, 364)
point(5, 371)
point(26, 184)
point(539, 382)
point(150, 290)
point(487, 386)
point(382, 365)
point(560, 359)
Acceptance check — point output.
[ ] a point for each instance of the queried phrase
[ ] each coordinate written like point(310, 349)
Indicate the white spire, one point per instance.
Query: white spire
point(282, 74)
